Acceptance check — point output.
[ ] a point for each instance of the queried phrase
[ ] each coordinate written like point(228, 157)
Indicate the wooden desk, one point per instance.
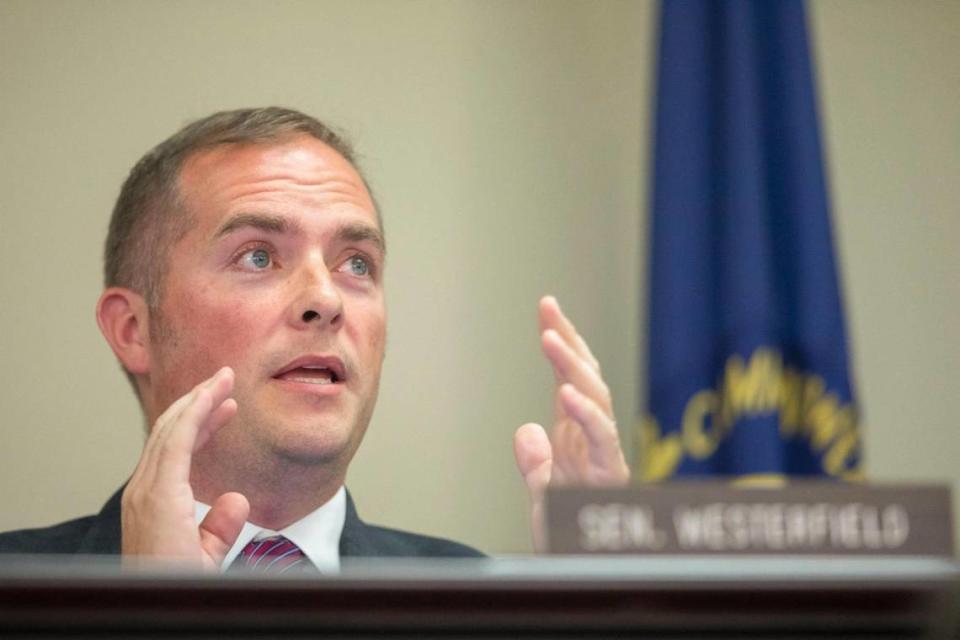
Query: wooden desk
point(563, 597)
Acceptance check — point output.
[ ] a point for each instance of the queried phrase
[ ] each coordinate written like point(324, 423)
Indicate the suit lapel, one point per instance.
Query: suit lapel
point(103, 536)
point(356, 540)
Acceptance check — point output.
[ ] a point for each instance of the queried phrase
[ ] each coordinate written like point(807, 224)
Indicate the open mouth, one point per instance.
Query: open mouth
point(313, 370)
point(310, 375)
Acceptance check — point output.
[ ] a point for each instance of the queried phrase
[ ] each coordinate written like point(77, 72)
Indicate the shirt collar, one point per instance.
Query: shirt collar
point(317, 533)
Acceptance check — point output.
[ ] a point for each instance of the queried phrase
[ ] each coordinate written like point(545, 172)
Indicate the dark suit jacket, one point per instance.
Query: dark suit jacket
point(100, 534)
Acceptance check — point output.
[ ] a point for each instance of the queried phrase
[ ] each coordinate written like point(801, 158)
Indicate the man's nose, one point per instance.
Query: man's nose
point(318, 302)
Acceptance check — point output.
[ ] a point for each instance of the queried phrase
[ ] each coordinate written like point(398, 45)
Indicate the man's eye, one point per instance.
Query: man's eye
point(358, 266)
point(258, 259)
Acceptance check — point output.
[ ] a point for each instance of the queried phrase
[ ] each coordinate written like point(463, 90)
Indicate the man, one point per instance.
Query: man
point(244, 299)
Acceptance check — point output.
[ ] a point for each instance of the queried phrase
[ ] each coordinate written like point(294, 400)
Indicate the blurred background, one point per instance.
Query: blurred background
point(508, 144)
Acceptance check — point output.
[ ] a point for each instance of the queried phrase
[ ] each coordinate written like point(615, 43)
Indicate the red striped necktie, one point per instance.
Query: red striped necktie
point(275, 554)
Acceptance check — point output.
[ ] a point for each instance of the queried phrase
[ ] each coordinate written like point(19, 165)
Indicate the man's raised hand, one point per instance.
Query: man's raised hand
point(584, 447)
point(157, 508)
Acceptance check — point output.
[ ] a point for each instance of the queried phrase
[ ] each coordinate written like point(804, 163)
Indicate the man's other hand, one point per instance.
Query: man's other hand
point(583, 447)
point(157, 508)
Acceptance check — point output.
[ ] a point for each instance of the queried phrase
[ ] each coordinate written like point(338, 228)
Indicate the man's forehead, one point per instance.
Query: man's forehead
point(300, 162)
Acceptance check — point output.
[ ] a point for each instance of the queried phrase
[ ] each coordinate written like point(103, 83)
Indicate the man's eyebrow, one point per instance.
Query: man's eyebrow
point(361, 233)
point(348, 232)
point(261, 221)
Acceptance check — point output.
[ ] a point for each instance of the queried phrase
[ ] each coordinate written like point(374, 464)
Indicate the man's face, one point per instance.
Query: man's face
point(280, 278)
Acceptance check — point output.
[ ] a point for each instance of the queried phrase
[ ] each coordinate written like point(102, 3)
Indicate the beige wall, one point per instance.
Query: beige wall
point(507, 144)
point(890, 92)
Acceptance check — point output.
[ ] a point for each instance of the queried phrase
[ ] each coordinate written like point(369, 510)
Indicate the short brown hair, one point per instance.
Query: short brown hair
point(149, 216)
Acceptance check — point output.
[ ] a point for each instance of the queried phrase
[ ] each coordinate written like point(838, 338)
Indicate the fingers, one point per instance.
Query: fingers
point(188, 424)
point(218, 417)
point(586, 444)
point(170, 417)
point(208, 410)
point(570, 367)
point(157, 507)
point(603, 462)
point(222, 524)
point(552, 317)
point(534, 455)
point(569, 354)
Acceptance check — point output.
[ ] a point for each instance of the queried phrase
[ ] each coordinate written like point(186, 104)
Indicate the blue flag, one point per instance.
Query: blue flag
point(747, 370)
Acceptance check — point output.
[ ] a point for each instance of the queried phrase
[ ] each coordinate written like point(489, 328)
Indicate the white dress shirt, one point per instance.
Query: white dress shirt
point(317, 533)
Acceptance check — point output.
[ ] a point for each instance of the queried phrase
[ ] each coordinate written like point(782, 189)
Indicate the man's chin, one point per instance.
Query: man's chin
point(311, 454)
point(309, 443)
point(305, 434)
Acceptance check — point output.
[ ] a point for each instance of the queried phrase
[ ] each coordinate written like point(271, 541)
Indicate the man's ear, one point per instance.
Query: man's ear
point(124, 320)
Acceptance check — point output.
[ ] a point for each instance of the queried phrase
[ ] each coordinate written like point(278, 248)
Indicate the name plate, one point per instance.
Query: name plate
point(802, 518)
